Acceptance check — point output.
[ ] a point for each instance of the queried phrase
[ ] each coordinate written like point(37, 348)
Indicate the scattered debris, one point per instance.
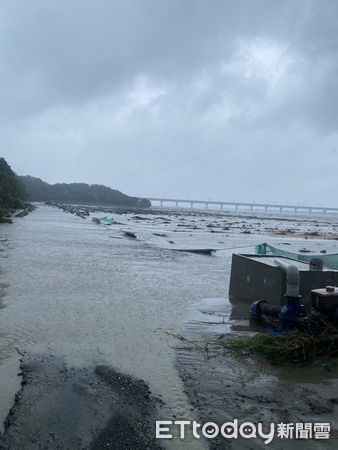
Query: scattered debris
point(203, 251)
point(140, 218)
point(130, 234)
point(293, 347)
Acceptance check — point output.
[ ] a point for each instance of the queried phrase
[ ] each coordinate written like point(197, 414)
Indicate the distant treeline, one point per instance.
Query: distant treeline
point(12, 192)
point(39, 191)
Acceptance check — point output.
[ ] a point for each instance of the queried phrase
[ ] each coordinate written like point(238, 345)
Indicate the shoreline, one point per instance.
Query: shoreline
point(18, 212)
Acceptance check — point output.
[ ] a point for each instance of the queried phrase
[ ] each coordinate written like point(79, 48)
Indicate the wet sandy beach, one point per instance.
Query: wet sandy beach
point(77, 296)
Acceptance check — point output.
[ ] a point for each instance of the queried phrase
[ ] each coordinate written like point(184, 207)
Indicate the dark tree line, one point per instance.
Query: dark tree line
point(95, 194)
point(12, 193)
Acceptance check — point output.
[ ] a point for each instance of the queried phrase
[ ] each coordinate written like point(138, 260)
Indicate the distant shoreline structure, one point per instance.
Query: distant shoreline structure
point(244, 206)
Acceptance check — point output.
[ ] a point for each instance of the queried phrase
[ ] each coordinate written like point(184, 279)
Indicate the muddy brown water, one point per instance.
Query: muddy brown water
point(88, 294)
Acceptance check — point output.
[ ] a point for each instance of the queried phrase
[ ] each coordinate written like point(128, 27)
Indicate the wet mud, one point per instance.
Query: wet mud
point(224, 389)
point(223, 385)
point(61, 407)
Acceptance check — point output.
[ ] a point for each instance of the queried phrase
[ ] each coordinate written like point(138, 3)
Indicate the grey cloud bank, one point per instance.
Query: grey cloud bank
point(222, 100)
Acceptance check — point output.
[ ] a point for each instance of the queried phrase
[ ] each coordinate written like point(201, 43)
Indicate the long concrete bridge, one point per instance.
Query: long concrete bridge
point(242, 206)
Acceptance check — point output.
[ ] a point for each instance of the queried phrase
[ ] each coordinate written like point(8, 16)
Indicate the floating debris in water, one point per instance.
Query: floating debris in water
point(130, 234)
point(203, 251)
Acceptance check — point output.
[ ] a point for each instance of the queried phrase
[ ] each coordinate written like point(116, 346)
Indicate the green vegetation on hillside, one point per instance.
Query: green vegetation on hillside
point(95, 194)
point(11, 190)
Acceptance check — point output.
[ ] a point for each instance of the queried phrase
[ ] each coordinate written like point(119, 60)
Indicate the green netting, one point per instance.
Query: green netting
point(329, 261)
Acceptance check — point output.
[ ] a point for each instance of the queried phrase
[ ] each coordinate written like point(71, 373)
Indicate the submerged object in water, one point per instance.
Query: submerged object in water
point(290, 316)
point(203, 251)
point(130, 234)
point(105, 220)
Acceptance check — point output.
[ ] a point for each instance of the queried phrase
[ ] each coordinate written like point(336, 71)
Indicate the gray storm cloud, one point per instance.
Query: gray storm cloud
point(221, 100)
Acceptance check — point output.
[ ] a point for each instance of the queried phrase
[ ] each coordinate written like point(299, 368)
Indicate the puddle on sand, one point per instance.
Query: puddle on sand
point(216, 316)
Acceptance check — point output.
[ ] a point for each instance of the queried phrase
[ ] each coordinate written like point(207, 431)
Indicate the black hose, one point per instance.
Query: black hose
point(269, 310)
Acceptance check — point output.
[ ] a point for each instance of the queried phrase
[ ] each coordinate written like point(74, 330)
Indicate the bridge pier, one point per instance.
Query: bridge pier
point(295, 209)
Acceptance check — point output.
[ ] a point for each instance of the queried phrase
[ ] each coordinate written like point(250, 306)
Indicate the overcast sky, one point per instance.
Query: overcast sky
point(209, 99)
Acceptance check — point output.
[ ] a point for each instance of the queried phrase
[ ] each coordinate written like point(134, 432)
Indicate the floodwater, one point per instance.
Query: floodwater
point(84, 291)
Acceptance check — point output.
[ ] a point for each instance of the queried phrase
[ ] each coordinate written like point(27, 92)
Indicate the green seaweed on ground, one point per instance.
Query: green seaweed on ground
point(293, 347)
point(273, 348)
